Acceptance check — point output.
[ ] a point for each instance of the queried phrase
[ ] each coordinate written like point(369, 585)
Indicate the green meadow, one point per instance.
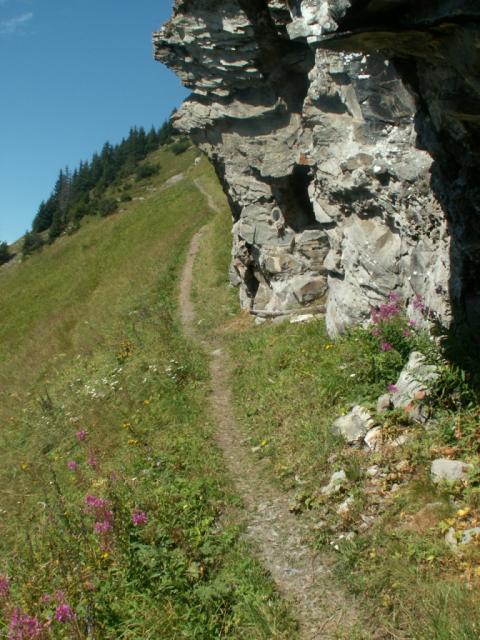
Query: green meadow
point(116, 518)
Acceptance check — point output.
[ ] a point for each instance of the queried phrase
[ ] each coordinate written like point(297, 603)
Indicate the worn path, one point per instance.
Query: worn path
point(323, 610)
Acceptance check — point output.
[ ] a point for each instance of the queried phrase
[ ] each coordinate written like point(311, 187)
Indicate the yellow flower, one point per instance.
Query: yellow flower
point(132, 441)
point(146, 402)
point(463, 512)
point(264, 443)
point(105, 555)
point(126, 425)
point(24, 466)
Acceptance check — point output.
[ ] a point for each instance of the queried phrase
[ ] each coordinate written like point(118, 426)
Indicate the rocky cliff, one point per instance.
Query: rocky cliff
point(346, 134)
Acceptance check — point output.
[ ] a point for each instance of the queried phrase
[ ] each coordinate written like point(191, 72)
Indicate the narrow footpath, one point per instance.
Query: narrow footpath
point(322, 608)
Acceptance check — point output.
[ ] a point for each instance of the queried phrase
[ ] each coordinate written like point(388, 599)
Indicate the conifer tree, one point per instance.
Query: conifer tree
point(5, 254)
point(31, 242)
point(85, 191)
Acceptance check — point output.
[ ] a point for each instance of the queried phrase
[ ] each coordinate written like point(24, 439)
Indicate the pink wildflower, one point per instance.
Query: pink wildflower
point(92, 462)
point(103, 527)
point(99, 508)
point(81, 435)
point(23, 626)
point(386, 346)
point(96, 503)
point(4, 587)
point(376, 333)
point(418, 303)
point(64, 613)
point(139, 518)
point(392, 388)
point(393, 297)
point(72, 465)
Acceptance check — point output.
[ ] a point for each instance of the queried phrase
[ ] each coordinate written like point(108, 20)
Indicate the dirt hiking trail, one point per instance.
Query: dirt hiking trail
point(321, 607)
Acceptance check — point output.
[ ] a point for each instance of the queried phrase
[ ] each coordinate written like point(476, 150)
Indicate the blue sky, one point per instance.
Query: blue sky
point(73, 74)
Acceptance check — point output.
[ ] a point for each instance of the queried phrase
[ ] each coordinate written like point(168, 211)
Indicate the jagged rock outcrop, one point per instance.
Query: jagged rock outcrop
point(345, 133)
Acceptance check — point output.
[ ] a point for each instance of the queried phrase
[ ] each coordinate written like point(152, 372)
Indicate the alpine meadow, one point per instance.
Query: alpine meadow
point(239, 350)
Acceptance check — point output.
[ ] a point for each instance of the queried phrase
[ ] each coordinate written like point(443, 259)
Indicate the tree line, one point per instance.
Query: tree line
point(5, 254)
point(84, 191)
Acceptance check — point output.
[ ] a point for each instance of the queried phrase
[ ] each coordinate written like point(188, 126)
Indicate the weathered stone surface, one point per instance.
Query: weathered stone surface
point(413, 383)
point(337, 481)
point(346, 135)
point(384, 403)
point(353, 426)
point(344, 507)
point(449, 470)
point(469, 535)
point(374, 439)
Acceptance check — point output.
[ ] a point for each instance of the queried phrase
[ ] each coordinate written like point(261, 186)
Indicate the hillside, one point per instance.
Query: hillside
point(175, 468)
point(117, 520)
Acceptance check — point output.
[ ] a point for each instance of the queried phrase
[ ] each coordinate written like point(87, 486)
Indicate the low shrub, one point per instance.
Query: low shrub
point(146, 170)
point(180, 146)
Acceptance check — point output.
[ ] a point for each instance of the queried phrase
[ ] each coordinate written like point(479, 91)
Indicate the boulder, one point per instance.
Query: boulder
point(337, 481)
point(447, 470)
point(374, 439)
point(469, 535)
point(413, 384)
point(354, 426)
point(345, 506)
point(384, 403)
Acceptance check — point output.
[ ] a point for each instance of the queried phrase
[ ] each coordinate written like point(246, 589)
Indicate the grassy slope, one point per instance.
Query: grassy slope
point(89, 341)
point(290, 383)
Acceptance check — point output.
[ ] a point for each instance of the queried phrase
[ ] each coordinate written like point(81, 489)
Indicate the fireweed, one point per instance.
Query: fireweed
point(388, 340)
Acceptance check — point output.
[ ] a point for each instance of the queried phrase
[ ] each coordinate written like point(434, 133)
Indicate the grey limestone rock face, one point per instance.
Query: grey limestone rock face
point(346, 137)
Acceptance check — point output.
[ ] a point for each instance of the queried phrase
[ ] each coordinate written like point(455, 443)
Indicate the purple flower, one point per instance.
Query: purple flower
point(102, 527)
point(72, 465)
point(4, 587)
point(96, 503)
point(376, 333)
point(386, 346)
point(393, 297)
point(139, 518)
point(23, 626)
point(99, 508)
point(418, 303)
point(81, 435)
point(392, 388)
point(92, 462)
point(64, 613)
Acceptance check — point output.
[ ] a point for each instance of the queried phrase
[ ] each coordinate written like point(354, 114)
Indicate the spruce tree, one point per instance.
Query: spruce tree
point(5, 254)
point(86, 190)
point(31, 242)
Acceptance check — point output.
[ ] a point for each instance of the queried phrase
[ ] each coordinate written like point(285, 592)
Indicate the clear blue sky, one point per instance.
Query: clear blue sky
point(73, 74)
